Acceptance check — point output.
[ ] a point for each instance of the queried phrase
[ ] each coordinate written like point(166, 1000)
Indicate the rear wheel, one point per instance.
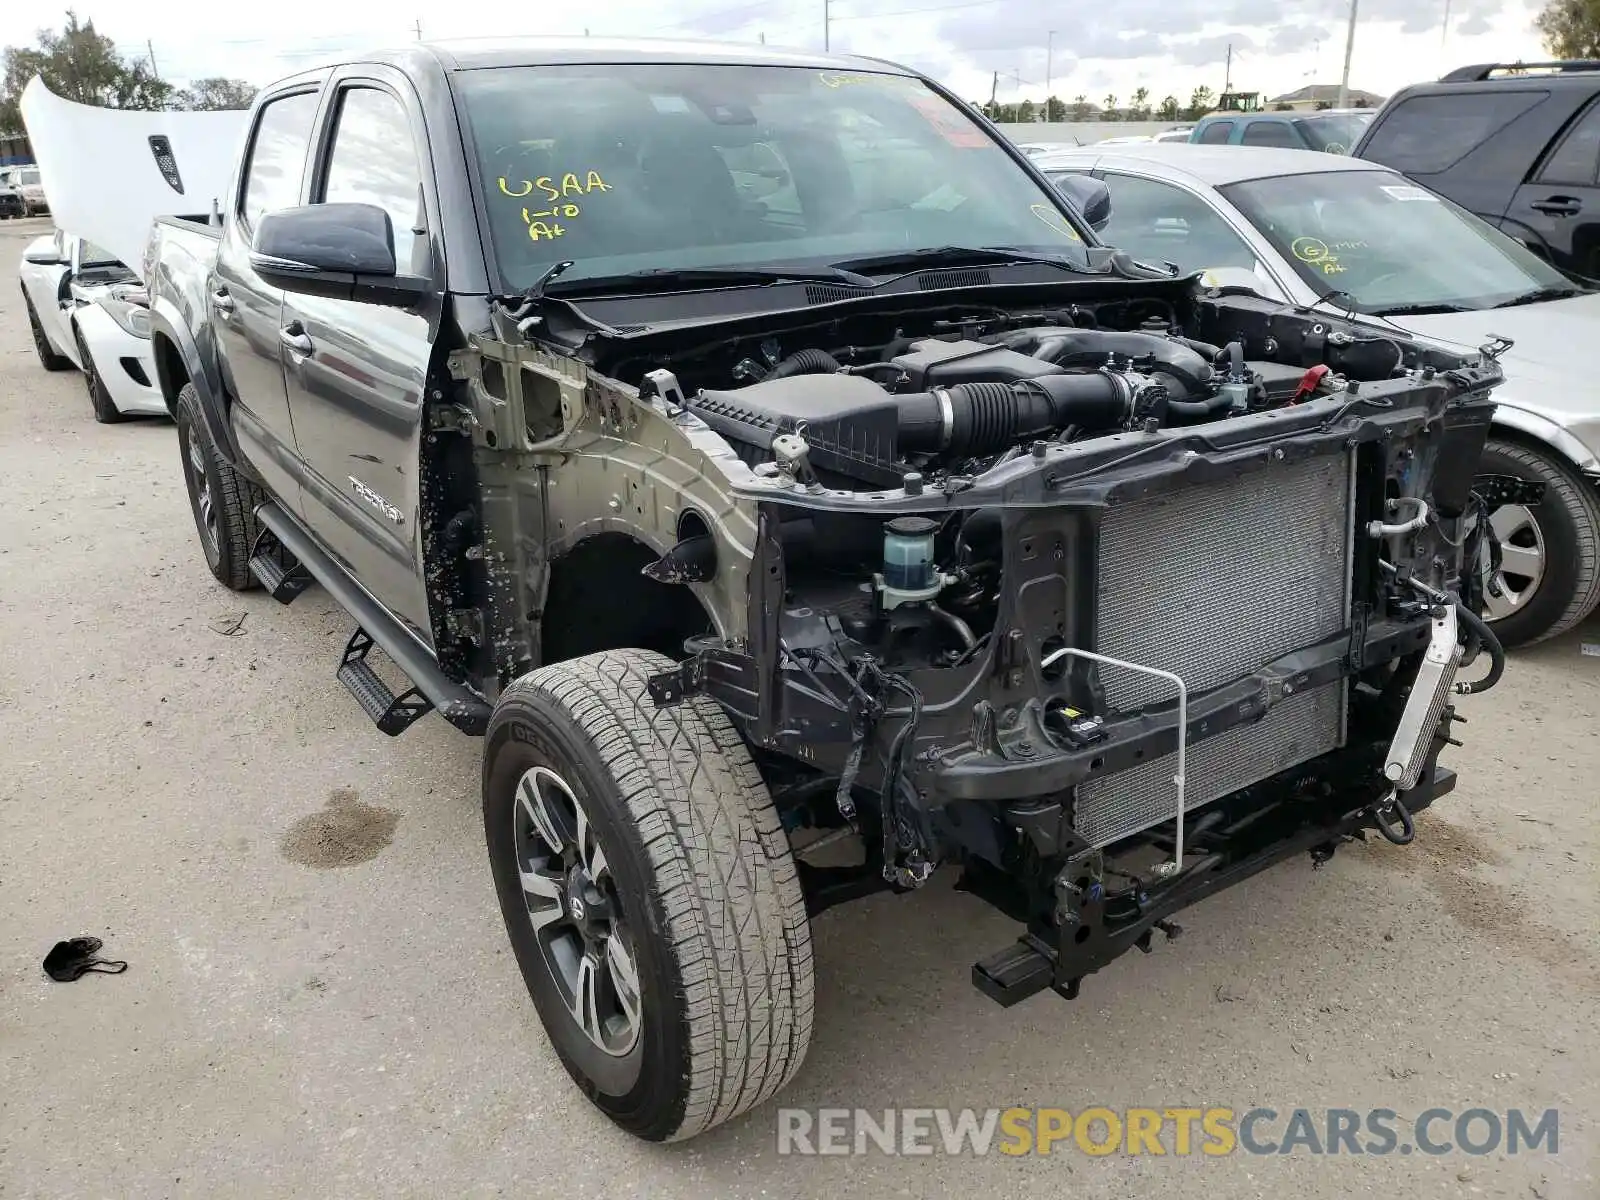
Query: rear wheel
point(48, 358)
point(649, 894)
point(105, 409)
point(1549, 578)
point(223, 501)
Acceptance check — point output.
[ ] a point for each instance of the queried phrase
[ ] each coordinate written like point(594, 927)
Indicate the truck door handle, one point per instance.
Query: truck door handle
point(1559, 206)
point(222, 302)
point(293, 335)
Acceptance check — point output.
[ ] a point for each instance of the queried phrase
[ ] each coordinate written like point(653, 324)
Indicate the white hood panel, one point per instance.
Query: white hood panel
point(100, 174)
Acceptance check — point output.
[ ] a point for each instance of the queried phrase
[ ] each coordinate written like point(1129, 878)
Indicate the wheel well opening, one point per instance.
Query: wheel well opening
point(598, 600)
point(171, 374)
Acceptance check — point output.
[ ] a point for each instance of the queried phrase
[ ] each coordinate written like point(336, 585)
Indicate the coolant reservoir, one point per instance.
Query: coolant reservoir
point(908, 554)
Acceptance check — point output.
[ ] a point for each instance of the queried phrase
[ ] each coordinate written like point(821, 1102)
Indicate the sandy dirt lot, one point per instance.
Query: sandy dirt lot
point(320, 1000)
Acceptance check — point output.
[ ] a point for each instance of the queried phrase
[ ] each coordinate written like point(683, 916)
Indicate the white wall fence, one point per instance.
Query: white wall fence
point(1083, 132)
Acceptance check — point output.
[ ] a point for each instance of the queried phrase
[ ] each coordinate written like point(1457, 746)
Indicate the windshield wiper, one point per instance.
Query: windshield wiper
point(667, 278)
point(953, 256)
point(1418, 310)
point(1554, 291)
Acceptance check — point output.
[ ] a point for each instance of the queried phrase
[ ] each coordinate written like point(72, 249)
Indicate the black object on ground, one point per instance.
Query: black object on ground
point(70, 959)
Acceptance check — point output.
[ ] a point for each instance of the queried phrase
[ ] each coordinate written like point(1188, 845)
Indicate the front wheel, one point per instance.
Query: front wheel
point(1549, 577)
point(649, 894)
point(48, 358)
point(100, 403)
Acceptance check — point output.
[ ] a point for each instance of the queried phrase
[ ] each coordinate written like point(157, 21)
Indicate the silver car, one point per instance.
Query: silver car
point(1322, 229)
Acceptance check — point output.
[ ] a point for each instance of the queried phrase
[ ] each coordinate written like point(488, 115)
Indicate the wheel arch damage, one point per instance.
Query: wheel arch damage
point(583, 483)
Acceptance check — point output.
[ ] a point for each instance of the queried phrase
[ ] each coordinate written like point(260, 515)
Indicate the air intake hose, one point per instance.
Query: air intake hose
point(1090, 347)
point(985, 418)
point(805, 362)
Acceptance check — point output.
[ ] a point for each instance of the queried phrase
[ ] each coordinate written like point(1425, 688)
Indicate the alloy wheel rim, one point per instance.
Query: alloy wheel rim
point(571, 901)
point(202, 487)
point(1522, 561)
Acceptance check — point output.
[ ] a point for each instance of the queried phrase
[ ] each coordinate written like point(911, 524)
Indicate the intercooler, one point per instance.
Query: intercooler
point(1212, 582)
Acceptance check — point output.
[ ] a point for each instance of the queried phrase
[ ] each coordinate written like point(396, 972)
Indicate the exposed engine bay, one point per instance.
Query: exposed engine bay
point(1108, 604)
point(958, 404)
point(931, 415)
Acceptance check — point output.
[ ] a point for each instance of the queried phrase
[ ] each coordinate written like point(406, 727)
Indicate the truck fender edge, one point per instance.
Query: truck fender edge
point(166, 321)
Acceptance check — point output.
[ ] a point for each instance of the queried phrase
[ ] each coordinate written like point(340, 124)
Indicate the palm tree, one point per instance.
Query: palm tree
point(1109, 107)
point(1141, 105)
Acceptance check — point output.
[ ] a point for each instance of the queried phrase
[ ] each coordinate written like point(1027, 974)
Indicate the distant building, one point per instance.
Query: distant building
point(1325, 95)
point(14, 148)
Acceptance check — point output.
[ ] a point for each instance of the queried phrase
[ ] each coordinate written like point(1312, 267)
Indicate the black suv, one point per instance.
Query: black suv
point(1517, 144)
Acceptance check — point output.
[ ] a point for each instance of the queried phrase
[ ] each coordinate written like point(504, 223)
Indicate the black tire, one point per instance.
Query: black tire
point(1567, 525)
point(230, 532)
point(48, 358)
point(698, 863)
point(100, 402)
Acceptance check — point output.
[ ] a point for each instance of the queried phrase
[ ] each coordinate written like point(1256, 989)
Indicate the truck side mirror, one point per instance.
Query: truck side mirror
point(1091, 197)
point(341, 250)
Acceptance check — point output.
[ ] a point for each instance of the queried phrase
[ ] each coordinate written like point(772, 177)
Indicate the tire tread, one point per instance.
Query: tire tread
point(1578, 496)
point(724, 876)
point(236, 500)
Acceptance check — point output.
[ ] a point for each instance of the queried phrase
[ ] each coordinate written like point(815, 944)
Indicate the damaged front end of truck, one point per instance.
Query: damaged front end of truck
point(1107, 604)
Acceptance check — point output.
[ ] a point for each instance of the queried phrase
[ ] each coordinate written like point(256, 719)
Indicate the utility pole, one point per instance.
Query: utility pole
point(994, 91)
point(1049, 51)
point(1349, 49)
point(827, 24)
point(1444, 34)
point(148, 45)
point(418, 28)
point(1227, 71)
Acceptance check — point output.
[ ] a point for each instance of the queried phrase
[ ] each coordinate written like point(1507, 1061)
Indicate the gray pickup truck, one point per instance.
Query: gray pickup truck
point(778, 474)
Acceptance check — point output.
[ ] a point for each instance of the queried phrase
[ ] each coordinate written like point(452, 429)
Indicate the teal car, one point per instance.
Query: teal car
point(1333, 131)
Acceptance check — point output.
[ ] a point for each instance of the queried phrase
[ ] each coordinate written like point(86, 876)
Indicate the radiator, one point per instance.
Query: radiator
point(1211, 583)
point(1300, 728)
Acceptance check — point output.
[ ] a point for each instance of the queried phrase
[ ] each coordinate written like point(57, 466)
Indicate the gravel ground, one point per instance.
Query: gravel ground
point(320, 1000)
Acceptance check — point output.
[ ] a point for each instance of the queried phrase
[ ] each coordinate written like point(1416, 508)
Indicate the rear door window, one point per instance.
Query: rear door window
point(1576, 158)
point(1270, 133)
point(1428, 134)
point(1216, 133)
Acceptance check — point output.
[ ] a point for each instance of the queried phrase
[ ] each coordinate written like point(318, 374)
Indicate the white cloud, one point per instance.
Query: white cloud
point(1167, 46)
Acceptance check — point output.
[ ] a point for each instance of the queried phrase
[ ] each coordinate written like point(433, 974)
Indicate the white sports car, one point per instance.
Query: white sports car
point(88, 310)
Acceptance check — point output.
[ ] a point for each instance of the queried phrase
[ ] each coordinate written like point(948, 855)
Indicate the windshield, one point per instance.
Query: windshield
point(671, 166)
point(91, 255)
point(1388, 244)
point(1333, 133)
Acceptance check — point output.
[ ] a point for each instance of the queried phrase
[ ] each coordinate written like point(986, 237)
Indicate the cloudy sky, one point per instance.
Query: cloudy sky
point(1168, 46)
